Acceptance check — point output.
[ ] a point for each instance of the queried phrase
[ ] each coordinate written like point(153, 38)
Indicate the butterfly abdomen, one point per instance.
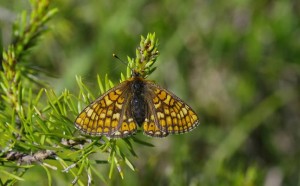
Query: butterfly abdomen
point(138, 102)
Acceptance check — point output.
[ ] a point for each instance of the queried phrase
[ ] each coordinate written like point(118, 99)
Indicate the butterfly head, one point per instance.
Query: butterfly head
point(137, 73)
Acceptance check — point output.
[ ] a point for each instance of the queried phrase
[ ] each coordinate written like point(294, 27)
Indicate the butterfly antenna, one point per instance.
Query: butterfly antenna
point(117, 57)
point(127, 65)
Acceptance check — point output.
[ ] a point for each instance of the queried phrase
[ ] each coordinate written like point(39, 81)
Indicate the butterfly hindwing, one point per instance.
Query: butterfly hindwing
point(150, 126)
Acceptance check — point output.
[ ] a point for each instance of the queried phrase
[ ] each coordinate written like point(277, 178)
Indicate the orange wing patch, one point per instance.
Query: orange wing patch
point(151, 128)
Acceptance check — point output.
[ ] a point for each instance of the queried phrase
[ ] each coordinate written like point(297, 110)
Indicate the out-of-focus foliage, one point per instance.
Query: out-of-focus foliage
point(235, 62)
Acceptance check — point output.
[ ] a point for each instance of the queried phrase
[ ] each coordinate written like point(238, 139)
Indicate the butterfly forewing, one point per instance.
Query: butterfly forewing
point(109, 115)
point(167, 113)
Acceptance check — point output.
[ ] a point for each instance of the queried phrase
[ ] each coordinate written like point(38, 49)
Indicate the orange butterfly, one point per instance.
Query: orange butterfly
point(136, 102)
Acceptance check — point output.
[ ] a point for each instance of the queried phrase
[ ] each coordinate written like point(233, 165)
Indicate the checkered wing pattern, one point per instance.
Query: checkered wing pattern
point(167, 113)
point(109, 115)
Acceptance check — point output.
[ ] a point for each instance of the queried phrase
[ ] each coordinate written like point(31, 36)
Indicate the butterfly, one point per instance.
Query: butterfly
point(136, 102)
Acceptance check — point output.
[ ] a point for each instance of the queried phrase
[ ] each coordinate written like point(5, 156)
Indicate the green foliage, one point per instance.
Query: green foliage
point(21, 122)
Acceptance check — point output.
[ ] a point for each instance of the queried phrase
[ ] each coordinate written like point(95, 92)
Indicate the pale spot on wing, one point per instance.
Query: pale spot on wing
point(89, 112)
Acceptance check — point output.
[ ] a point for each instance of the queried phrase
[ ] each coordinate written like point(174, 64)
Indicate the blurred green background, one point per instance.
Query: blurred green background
point(236, 62)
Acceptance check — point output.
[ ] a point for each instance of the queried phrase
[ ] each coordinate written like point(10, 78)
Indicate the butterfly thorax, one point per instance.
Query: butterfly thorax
point(138, 102)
